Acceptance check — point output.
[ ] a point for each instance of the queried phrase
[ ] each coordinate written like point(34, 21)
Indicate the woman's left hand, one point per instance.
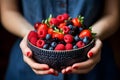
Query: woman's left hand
point(94, 56)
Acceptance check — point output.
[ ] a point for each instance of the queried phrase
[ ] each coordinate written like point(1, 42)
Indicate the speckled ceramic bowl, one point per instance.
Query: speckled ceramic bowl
point(60, 59)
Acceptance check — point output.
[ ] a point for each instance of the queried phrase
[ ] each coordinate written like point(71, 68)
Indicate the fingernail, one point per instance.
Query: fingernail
point(90, 54)
point(45, 68)
point(69, 71)
point(50, 72)
point(75, 67)
point(28, 54)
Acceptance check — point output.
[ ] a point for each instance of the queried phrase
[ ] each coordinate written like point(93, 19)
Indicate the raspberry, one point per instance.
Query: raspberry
point(68, 38)
point(68, 46)
point(42, 33)
point(60, 18)
point(40, 43)
point(80, 44)
point(54, 21)
point(36, 25)
point(66, 16)
point(33, 40)
point(32, 34)
point(60, 47)
point(66, 29)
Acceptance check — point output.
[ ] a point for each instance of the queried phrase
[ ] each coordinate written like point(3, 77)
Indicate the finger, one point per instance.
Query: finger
point(25, 50)
point(95, 49)
point(68, 69)
point(41, 72)
point(63, 71)
point(34, 64)
point(83, 65)
point(83, 71)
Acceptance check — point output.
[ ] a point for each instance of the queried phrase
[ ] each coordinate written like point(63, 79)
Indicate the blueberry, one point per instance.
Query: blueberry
point(46, 46)
point(80, 29)
point(55, 40)
point(53, 44)
point(62, 42)
point(76, 38)
point(48, 36)
point(51, 48)
point(75, 47)
point(70, 26)
point(86, 40)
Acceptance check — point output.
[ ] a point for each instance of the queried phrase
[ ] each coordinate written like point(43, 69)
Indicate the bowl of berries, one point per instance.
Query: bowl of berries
point(60, 41)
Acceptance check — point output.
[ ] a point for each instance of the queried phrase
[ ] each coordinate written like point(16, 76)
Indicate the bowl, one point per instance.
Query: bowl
point(60, 59)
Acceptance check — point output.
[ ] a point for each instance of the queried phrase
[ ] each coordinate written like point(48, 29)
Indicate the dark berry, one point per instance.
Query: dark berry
point(53, 44)
point(70, 26)
point(51, 48)
point(76, 38)
point(62, 42)
point(80, 29)
point(48, 36)
point(86, 40)
point(75, 47)
point(46, 46)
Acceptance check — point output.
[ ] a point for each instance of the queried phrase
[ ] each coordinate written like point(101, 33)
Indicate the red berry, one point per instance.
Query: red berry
point(42, 33)
point(68, 46)
point(60, 18)
point(66, 29)
point(85, 33)
point(54, 21)
point(68, 38)
point(32, 34)
point(58, 35)
point(80, 44)
point(36, 25)
point(76, 22)
point(33, 40)
point(60, 47)
point(66, 16)
point(40, 43)
point(42, 26)
point(61, 25)
point(50, 31)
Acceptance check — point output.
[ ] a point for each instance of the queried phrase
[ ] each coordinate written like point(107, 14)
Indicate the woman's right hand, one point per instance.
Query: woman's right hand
point(40, 69)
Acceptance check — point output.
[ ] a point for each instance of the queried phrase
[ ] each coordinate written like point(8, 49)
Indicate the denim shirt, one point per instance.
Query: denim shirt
point(36, 10)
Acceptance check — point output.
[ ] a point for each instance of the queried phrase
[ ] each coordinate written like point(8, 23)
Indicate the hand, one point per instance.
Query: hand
point(84, 67)
point(40, 69)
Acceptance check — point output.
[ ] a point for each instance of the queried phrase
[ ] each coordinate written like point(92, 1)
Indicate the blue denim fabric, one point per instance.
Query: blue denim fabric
point(36, 10)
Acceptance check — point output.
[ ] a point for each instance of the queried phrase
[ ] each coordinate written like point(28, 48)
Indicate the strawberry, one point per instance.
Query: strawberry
point(42, 33)
point(61, 25)
point(54, 21)
point(32, 34)
point(68, 46)
point(60, 18)
point(58, 35)
point(40, 43)
point(80, 44)
point(76, 22)
point(50, 31)
point(42, 26)
point(60, 47)
point(66, 16)
point(66, 29)
point(68, 38)
point(85, 33)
